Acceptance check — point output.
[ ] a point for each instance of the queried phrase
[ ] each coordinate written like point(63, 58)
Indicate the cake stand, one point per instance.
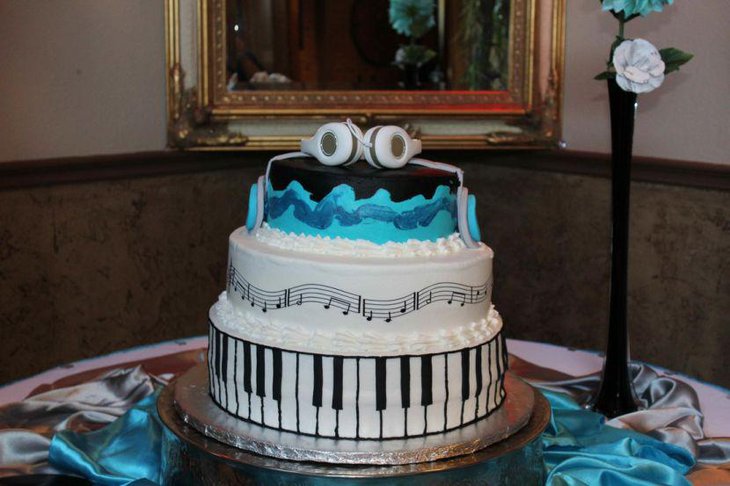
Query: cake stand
point(205, 445)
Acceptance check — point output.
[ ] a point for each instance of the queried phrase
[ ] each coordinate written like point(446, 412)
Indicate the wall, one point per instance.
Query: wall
point(106, 265)
point(95, 69)
point(686, 118)
point(98, 87)
point(81, 77)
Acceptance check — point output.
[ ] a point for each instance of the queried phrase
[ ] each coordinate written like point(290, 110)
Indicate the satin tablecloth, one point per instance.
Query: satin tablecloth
point(98, 419)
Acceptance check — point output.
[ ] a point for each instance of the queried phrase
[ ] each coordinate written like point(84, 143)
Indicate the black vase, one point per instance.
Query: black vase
point(615, 394)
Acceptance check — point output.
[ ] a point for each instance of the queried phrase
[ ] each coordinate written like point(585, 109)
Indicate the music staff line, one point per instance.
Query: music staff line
point(351, 303)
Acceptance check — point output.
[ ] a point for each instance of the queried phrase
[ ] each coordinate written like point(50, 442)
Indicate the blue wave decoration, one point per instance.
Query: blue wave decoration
point(377, 218)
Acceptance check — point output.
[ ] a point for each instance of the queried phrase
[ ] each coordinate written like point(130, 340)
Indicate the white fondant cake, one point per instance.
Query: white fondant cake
point(343, 338)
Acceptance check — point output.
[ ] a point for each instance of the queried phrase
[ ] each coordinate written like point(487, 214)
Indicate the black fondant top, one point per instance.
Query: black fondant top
point(319, 179)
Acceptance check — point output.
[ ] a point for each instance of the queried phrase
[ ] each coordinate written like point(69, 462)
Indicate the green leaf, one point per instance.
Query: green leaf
point(605, 75)
point(673, 58)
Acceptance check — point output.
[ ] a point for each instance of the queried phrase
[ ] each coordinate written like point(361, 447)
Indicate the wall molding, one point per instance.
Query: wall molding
point(46, 172)
point(644, 169)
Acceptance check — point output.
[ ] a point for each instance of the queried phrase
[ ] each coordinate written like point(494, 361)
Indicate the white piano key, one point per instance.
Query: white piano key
point(369, 416)
point(470, 404)
point(505, 364)
point(327, 415)
point(393, 415)
point(453, 405)
point(307, 412)
point(255, 410)
point(211, 367)
point(348, 414)
point(219, 351)
point(486, 379)
point(271, 406)
point(493, 375)
point(243, 398)
point(416, 419)
point(288, 388)
point(435, 412)
point(230, 388)
point(216, 376)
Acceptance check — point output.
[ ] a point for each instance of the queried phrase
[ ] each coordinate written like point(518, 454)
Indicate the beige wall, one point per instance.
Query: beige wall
point(83, 77)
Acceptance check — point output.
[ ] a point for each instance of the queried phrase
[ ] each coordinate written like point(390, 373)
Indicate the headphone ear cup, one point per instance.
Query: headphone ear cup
point(333, 144)
point(391, 147)
point(256, 202)
point(466, 218)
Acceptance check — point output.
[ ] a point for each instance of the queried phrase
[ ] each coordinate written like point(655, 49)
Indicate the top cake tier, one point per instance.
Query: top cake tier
point(361, 202)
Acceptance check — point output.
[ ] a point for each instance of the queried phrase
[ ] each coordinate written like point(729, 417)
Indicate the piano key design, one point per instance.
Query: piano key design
point(355, 397)
point(350, 303)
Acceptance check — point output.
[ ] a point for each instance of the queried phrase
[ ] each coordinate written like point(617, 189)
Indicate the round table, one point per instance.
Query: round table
point(714, 400)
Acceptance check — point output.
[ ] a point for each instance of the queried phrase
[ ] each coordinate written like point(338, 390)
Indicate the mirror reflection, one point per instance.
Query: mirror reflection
point(363, 45)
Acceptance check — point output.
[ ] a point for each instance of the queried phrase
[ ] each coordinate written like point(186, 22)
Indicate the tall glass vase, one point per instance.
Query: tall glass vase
point(615, 394)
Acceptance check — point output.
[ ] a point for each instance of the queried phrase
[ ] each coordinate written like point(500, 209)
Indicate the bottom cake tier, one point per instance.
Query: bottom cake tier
point(355, 397)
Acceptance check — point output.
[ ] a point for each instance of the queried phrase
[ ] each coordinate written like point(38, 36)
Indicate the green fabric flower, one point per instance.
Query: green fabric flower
point(635, 7)
point(412, 18)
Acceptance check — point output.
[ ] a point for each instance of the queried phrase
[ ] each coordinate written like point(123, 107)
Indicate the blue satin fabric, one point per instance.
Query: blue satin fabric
point(127, 451)
point(580, 449)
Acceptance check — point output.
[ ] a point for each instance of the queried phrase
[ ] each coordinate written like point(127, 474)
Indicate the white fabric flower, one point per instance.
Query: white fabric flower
point(639, 66)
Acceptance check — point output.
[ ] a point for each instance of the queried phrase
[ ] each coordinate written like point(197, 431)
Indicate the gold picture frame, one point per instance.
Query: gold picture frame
point(204, 115)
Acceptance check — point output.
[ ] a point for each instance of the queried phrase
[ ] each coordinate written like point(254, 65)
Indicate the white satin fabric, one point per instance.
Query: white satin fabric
point(672, 414)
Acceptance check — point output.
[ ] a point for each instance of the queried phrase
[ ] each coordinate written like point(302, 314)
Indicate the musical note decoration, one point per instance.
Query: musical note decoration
point(350, 303)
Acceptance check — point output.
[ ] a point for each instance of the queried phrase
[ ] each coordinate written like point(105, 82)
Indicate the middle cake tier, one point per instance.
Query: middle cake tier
point(311, 294)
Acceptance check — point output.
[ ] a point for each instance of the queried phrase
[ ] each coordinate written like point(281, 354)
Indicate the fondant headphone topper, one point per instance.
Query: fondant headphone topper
point(389, 147)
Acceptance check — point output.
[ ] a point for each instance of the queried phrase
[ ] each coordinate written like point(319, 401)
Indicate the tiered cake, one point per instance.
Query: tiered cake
point(356, 310)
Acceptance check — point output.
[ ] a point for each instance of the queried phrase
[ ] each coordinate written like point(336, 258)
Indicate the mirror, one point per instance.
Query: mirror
point(367, 45)
point(458, 74)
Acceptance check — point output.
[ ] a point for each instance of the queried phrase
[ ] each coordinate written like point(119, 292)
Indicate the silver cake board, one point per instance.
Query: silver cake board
point(205, 445)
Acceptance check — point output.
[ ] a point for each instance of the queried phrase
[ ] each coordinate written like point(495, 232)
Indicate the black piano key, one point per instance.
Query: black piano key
point(498, 357)
point(357, 398)
point(426, 381)
point(211, 351)
point(224, 360)
point(405, 381)
point(276, 374)
point(260, 371)
point(446, 395)
point(210, 355)
point(216, 352)
point(296, 390)
point(247, 367)
point(465, 374)
point(317, 381)
point(488, 349)
point(478, 369)
point(212, 360)
point(505, 356)
point(235, 374)
point(337, 378)
point(380, 396)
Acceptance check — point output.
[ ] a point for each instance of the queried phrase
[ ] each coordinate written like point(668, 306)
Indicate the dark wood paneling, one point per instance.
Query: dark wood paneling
point(44, 172)
point(28, 173)
point(135, 252)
